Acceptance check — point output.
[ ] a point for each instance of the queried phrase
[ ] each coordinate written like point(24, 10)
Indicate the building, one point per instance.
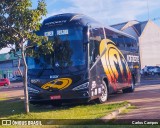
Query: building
point(8, 65)
point(148, 35)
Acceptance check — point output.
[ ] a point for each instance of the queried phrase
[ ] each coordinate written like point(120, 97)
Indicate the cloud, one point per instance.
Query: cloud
point(110, 11)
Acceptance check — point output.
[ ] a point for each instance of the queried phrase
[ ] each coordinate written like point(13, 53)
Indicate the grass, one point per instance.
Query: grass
point(15, 110)
point(88, 111)
point(10, 109)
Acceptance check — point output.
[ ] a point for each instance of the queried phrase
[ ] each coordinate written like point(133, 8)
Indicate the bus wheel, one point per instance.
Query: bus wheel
point(130, 89)
point(104, 97)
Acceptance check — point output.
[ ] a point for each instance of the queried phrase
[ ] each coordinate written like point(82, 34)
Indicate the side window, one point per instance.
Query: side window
point(128, 43)
point(121, 43)
point(112, 36)
point(133, 45)
point(1, 79)
point(136, 46)
point(96, 35)
point(133, 48)
point(91, 51)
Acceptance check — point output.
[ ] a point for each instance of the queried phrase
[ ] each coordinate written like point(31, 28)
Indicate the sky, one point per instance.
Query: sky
point(108, 12)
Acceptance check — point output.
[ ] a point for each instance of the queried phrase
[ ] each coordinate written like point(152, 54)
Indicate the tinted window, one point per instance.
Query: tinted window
point(2, 80)
point(116, 38)
point(122, 42)
point(96, 35)
point(68, 49)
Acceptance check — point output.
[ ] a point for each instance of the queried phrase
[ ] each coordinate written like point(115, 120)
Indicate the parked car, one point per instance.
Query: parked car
point(155, 70)
point(4, 82)
point(151, 70)
point(16, 79)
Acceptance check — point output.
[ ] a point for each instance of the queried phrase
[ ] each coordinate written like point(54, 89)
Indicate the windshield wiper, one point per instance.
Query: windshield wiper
point(41, 72)
point(43, 69)
point(68, 71)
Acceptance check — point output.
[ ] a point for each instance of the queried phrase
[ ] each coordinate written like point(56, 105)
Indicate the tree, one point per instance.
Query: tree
point(18, 21)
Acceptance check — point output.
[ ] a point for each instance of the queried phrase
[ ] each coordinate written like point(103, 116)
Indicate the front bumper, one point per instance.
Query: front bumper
point(65, 96)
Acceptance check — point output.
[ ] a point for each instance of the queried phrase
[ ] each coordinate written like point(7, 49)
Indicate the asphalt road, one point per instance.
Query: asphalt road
point(146, 98)
point(15, 90)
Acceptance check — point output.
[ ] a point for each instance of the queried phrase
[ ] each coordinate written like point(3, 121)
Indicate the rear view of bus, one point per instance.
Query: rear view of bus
point(61, 75)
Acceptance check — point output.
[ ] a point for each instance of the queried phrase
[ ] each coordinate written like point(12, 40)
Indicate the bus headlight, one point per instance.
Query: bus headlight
point(32, 90)
point(82, 86)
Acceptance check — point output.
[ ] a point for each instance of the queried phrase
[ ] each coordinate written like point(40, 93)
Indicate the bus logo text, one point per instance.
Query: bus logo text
point(131, 58)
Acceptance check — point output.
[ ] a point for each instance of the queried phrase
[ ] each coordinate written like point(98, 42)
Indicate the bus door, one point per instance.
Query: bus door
point(95, 79)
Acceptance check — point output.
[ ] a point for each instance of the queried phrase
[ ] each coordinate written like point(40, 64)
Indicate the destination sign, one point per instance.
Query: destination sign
point(50, 33)
point(62, 32)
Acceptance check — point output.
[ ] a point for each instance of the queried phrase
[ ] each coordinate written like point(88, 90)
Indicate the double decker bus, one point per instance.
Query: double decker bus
point(88, 62)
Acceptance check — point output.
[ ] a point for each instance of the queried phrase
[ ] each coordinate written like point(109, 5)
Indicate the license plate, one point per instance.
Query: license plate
point(55, 97)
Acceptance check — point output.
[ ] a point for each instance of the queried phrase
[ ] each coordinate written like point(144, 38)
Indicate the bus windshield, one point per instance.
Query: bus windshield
point(68, 51)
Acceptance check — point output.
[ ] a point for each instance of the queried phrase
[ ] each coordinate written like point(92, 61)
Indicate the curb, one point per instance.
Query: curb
point(11, 87)
point(113, 114)
point(16, 99)
point(16, 87)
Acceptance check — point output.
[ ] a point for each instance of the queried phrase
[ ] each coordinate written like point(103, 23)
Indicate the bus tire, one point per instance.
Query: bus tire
point(104, 97)
point(130, 89)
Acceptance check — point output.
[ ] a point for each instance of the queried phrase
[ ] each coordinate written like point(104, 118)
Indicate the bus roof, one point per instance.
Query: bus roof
point(62, 18)
point(65, 18)
point(120, 32)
